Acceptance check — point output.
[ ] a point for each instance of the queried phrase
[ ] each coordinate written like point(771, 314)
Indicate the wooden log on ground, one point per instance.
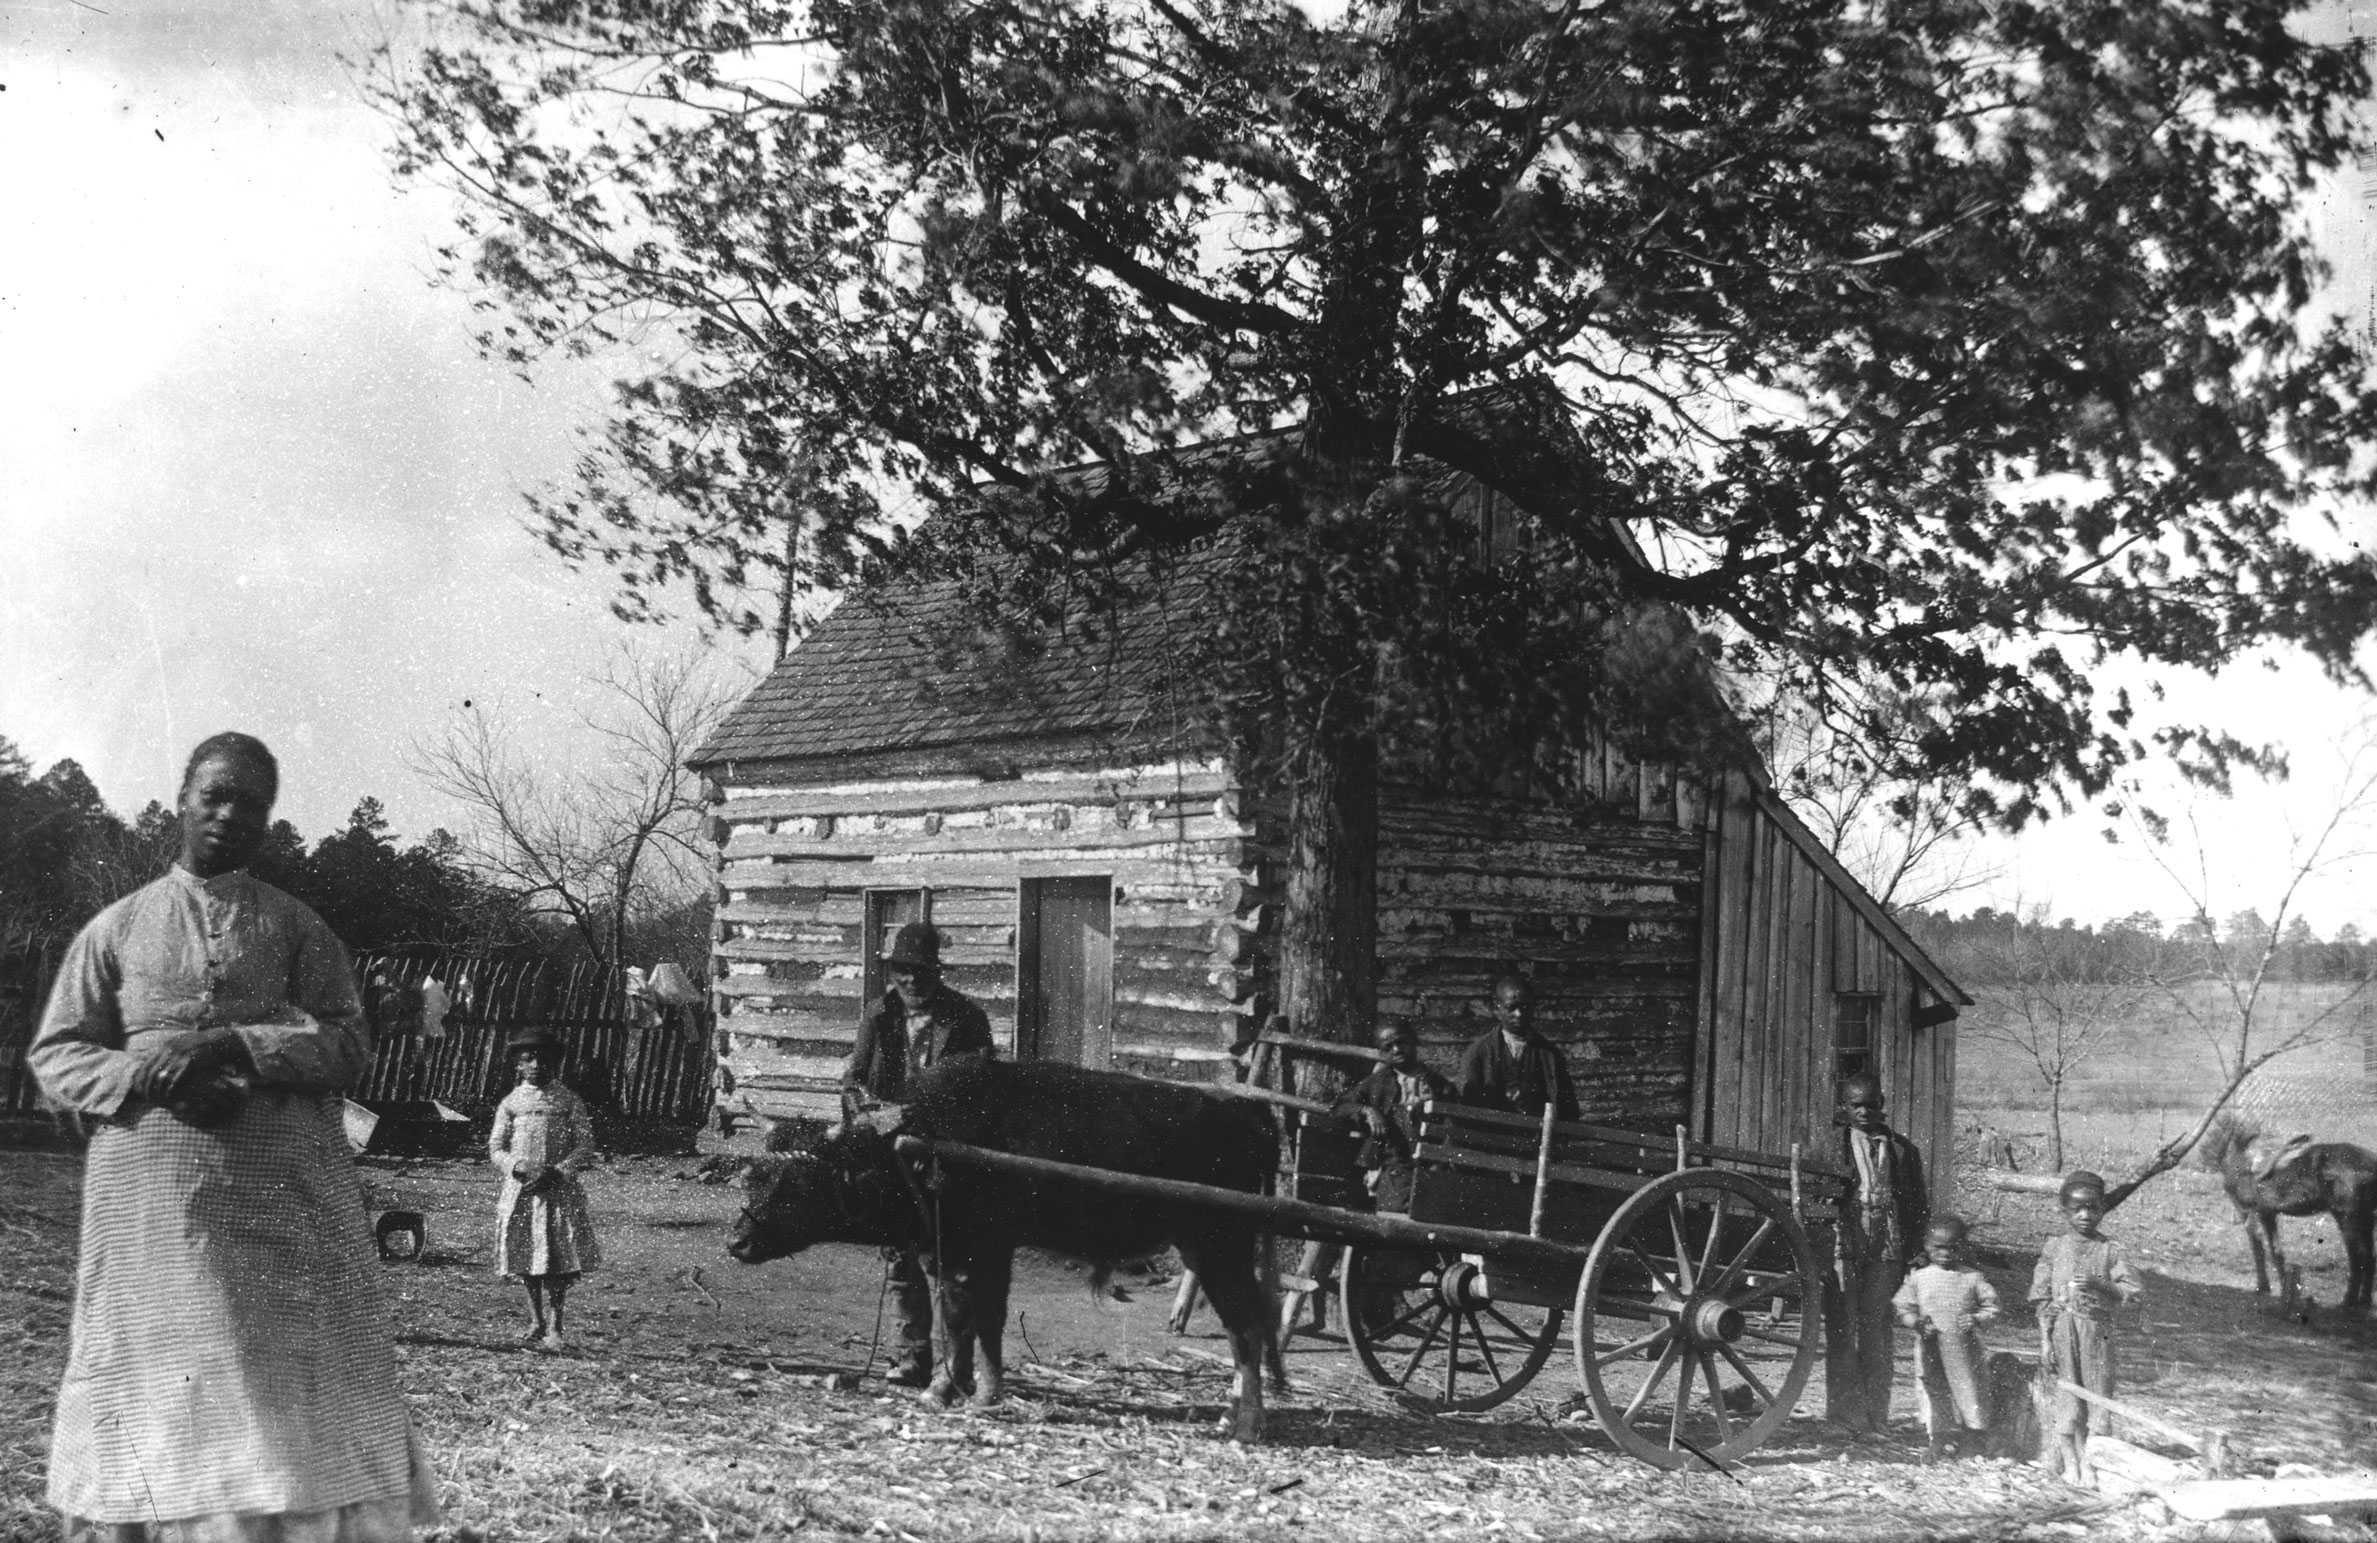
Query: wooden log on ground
point(2021, 1183)
point(2339, 1497)
point(2124, 1468)
point(2209, 1446)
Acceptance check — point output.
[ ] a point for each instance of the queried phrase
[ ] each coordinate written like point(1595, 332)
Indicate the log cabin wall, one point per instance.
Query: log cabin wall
point(800, 852)
point(1803, 979)
point(1597, 904)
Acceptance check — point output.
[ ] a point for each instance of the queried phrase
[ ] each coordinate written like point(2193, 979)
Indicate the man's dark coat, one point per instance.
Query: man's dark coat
point(887, 1051)
point(1492, 1078)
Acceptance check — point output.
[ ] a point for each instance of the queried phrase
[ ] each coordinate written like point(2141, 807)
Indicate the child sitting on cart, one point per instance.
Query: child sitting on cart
point(1946, 1301)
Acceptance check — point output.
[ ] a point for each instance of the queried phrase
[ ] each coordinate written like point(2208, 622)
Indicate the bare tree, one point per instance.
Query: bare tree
point(2056, 995)
point(1907, 841)
point(618, 841)
point(2238, 961)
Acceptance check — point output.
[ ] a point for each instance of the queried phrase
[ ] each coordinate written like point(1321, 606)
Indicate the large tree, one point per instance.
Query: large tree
point(1904, 349)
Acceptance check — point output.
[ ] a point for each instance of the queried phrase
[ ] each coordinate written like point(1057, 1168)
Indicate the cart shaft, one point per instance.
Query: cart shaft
point(1290, 1218)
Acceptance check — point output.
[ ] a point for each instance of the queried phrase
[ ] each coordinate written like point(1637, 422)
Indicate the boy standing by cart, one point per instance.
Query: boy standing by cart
point(1883, 1218)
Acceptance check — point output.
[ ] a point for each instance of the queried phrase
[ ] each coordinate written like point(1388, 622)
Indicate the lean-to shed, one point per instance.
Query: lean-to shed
point(1105, 884)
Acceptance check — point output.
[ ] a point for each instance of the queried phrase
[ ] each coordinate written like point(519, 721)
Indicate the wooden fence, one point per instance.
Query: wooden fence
point(647, 1066)
point(652, 1065)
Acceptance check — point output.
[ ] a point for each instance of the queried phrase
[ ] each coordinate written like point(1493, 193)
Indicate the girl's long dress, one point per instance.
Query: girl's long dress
point(2077, 1332)
point(544, 1231)
point(231, 1373)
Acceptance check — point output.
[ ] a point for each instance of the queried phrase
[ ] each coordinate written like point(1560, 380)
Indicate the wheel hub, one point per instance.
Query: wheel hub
point(1713, 1321)
point(1461, 1285)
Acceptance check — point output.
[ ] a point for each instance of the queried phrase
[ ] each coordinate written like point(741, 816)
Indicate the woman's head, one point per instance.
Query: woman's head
point(225, 804)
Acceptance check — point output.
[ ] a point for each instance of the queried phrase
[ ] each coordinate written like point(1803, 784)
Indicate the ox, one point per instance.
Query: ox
point(968, 1222)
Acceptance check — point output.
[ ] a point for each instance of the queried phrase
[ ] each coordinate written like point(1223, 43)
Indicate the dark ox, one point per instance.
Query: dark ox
point(850, 1189)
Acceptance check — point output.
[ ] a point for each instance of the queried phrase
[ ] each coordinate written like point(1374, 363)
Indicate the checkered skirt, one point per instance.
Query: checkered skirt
point(231, 1349)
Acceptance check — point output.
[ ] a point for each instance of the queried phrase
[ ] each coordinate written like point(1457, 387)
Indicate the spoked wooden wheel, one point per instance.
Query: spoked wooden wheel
point(1423, 1325)
point(1696, 1318)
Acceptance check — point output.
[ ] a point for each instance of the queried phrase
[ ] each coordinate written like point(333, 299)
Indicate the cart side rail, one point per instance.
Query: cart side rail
point(1484, 1166)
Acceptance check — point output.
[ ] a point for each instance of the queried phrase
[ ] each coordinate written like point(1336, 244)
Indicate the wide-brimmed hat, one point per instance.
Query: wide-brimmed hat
point(532, 1037)
point(915, 944)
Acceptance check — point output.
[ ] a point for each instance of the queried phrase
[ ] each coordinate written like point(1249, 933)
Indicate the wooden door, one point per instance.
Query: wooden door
point(1064, 971)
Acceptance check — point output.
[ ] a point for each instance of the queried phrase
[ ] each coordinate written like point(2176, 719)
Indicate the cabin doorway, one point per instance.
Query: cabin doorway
point(1064, 971)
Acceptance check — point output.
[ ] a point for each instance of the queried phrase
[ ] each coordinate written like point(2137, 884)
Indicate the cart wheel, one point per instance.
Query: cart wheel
point(1696, 1318)
point(1420, 1320)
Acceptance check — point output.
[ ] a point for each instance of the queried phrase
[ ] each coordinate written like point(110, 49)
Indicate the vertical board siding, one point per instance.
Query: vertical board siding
point(795, 862)
point(1784, 943)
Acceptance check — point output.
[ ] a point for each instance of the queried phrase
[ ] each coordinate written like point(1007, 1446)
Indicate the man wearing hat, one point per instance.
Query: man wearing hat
point(918, 1023)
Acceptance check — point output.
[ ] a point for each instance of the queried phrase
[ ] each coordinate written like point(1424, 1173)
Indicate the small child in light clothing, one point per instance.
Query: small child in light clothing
point(542, 1138)
point(2082, 1276)
point(1946, 1301)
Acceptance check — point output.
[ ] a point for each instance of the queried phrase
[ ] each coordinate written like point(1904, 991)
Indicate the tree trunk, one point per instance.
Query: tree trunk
point(2055, 1126)
point(1328, 981)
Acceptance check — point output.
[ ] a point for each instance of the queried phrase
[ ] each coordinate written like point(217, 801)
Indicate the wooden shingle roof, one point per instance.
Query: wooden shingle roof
point(904, 668)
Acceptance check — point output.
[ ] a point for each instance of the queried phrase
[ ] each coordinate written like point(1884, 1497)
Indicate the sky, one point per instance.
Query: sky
point(253, 474)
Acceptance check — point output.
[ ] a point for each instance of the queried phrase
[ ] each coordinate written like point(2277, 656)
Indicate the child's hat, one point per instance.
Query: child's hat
point(2081, 1184)
point(533, 1037)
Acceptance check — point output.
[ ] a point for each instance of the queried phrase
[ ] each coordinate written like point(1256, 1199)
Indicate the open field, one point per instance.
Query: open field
point(705, 1399)
point(2159, 1060)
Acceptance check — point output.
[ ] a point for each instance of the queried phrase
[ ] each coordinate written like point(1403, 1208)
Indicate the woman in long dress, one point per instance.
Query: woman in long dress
point(231, 1374)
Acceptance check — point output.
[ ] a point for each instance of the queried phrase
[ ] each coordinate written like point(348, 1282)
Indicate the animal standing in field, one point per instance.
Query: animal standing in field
point(968, 1222)
point(2332, 1176)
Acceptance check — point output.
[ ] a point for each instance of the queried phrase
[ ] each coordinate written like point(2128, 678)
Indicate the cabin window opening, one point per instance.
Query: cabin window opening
point(1854, 1016)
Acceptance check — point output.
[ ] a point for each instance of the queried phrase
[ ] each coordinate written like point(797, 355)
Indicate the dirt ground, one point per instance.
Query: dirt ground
point(706, 1399)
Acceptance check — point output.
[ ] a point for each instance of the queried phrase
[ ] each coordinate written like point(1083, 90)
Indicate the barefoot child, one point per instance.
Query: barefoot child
point(542, 1138)
point(2081, 1277)
point(1946, 1302)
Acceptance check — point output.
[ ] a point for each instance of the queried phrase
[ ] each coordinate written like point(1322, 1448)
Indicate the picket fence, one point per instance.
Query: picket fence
point(652, 1065)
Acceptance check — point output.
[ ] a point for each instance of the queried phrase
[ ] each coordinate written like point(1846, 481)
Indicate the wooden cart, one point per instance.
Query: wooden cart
point(1682, 1277)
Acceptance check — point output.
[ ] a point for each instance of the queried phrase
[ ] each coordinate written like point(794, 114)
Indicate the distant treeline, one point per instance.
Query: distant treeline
point(1993, 947)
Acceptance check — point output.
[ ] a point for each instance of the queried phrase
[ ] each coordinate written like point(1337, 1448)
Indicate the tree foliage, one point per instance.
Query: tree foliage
point(1923, 351)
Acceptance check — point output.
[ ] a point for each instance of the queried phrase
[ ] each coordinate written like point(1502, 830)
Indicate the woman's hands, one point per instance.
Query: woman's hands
point(185, 1062)
point(528, 1171)
point(195, 1076)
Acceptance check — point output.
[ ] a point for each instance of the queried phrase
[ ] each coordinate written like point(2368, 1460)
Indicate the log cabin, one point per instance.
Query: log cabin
point(1106, 883)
